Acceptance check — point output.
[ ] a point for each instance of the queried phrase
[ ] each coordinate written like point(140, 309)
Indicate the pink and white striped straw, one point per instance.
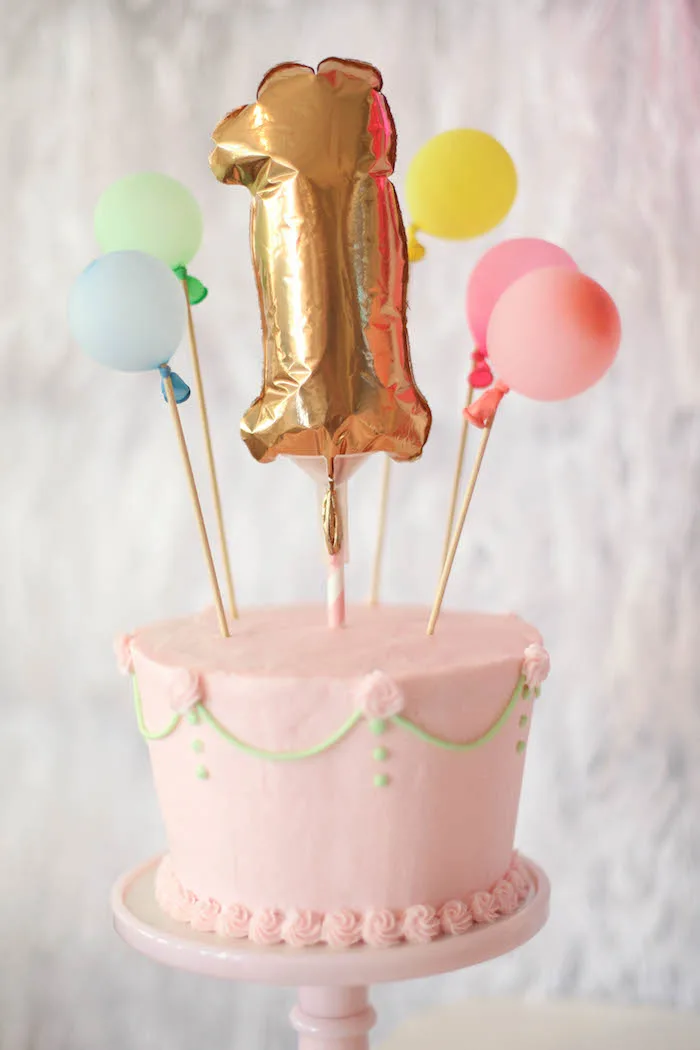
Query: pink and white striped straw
point(336, 589)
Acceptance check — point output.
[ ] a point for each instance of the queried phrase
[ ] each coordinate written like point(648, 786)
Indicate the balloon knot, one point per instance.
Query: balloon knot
point(180, 387)
point(481, 412)
point(481, 375)
point(196, 291)
point(416, 251)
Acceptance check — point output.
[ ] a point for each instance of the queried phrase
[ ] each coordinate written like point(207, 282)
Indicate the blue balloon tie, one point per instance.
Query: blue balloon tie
point(180, 387)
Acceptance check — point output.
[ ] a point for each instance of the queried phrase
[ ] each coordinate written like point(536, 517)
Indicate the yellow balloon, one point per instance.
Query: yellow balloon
point(460, 184)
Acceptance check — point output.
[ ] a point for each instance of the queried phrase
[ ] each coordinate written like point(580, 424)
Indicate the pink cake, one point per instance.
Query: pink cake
point(338, 787)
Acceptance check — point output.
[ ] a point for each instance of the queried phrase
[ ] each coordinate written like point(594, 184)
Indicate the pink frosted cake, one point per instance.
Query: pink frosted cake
point(338, 787)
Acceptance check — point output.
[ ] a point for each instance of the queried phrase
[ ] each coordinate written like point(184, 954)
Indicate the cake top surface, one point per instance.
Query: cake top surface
point(294, 641)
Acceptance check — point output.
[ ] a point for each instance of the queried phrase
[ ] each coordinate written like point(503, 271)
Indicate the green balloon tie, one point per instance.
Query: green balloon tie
point(196, 291)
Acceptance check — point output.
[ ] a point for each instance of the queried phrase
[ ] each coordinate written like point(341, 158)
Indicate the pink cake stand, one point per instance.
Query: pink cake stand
point(333, 1011)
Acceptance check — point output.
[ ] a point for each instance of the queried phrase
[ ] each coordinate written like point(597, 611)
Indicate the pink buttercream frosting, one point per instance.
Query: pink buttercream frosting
point(185, 691)
point(380, 928)
point(421, 924)
point(517, 877)
point(266, 926)
point(122, 651)
point(234, 922)
point(302, 928)
point(505, 897)
point(536, 665)
point(173, 898)
point(205, 915)
point(455, 917)
point(378, 696)
point(342, 929)
point(182, 907)
point(440, 830)
point(483, 907)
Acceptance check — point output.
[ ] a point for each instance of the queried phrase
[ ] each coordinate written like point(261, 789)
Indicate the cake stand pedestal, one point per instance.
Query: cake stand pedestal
point(333, 1011)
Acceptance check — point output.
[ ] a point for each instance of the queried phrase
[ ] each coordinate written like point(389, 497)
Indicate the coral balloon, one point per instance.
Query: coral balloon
point(460, 184)
point(149, 212)
point(553, 334)
point(498, 268)
point(127, 311)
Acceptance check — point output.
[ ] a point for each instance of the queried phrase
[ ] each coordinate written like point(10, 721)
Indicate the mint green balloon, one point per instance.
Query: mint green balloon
point(149, 212)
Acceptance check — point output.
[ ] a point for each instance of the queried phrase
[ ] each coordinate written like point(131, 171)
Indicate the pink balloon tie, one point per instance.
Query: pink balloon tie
point(482, 411)
point(481, 375)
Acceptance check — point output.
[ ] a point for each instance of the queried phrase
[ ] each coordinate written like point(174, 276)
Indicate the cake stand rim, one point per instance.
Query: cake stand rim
point(207, 954)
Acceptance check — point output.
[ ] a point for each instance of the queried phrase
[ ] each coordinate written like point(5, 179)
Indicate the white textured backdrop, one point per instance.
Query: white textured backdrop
point(586, 519)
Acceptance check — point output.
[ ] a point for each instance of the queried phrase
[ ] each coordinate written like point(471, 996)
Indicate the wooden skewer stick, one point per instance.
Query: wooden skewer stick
point(381, 533)
point(457, 478)
point(177, 423)
point(447, 567)
point(416, 252)
point(204, 416)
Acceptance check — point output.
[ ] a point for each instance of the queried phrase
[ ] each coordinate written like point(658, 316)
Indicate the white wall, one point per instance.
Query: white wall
point(586, 518)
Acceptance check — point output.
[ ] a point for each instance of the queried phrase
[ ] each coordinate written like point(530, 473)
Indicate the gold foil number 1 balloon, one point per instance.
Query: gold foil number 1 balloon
point(329, 249)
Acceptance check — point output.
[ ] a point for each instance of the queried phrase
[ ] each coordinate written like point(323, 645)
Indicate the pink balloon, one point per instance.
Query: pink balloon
point(553, 334)
point(496, 271)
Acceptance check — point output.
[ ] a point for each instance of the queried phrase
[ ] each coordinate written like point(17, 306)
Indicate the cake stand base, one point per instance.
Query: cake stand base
point(333, 1011)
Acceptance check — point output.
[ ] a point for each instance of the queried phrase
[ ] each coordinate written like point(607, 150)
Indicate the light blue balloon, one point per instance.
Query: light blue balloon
point(127, 310)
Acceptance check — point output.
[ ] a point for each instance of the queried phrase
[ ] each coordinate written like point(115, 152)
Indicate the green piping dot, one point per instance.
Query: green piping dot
point(377, 726)
point(520, 746)
point(523, 721)
point(193, 717)
point(202, 773)
point(198, 746)
point(381, 780)
point(379, 754)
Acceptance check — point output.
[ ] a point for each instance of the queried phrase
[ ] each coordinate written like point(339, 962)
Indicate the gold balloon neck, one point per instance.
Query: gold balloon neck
point(330, 515)
point(416, 251)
